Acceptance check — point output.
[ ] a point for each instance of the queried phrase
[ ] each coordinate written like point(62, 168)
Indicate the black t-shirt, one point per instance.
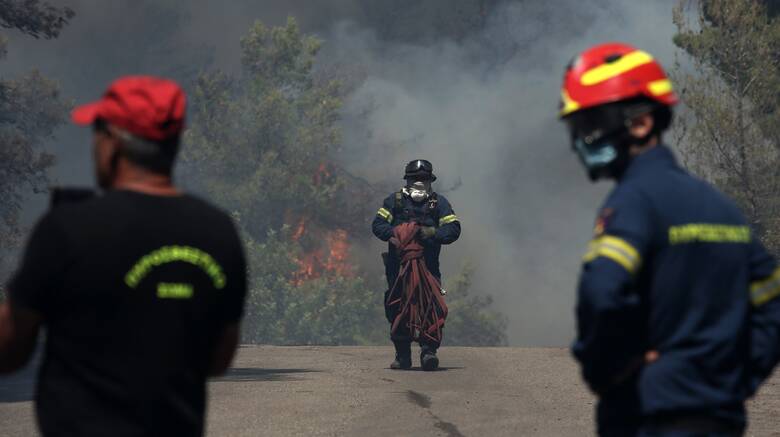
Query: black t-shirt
point(135, 290)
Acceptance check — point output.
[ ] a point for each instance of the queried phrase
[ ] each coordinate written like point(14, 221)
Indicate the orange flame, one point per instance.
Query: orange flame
point(299, 230)
point(330, 261)
point(330, 255)
point(322, 173)
point(338, 256)
point(309, 268)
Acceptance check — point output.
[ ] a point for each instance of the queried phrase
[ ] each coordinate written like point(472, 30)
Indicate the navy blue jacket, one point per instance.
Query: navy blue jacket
point(674, 267)
point(438, 214)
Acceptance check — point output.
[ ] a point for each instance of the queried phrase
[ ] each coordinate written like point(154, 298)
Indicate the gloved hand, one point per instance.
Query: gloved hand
point(427, 232)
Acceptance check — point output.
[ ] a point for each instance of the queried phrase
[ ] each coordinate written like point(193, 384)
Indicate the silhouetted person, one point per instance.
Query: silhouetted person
point(140, 288)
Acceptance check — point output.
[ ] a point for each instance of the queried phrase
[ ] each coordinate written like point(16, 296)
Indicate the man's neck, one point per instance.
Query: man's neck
point(132, 178)
point(638, 150)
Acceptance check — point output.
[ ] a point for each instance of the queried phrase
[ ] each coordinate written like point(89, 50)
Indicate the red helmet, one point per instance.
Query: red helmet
point(611, 73)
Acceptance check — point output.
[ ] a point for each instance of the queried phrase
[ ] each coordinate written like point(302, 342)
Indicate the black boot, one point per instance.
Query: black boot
point(403, 356)
point(428, 359)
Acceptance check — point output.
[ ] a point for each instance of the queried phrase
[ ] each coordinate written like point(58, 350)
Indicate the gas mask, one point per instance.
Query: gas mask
point(418, 191)
point(601, 139)
point(602, 157)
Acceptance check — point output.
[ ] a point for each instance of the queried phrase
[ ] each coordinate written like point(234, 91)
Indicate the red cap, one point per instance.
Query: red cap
point(611, 73)
point(146, 106)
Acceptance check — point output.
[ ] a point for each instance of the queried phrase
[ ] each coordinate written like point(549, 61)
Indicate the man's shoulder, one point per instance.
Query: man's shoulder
point(628, 190)
point(627, 195)
point(203, 210)
point(656, 186)
point(67, 204)
point(441, 198)
point(204, 205)
point(674, 193)
point(392, 197)
point(128, 207)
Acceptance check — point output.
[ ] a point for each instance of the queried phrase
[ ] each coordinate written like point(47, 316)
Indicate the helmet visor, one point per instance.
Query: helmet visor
point(419, 169)
point(593, 125)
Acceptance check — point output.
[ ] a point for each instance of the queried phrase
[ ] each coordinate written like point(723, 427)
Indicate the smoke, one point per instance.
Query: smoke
point(480, 105)
point(484, 111)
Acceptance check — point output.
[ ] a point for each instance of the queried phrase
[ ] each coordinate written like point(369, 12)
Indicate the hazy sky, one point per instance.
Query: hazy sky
point(482, 108)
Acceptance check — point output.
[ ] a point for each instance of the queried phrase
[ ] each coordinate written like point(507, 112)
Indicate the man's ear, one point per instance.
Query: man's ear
point(641, 126)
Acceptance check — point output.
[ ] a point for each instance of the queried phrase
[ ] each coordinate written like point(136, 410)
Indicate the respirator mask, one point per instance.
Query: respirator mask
point(418, 191)
point(602, 155)
point(600, 137)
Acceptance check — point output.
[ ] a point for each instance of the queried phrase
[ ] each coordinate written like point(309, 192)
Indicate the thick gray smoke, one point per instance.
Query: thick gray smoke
point(491, 131)
point(482, 108)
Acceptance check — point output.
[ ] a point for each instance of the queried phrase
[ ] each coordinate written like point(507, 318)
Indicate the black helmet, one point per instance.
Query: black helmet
point(419, 168)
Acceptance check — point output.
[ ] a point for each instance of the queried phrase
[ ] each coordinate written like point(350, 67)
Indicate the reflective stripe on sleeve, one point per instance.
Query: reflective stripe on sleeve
point(448, 219)
point(385, 214)
point(615, 249)
point(765, 290)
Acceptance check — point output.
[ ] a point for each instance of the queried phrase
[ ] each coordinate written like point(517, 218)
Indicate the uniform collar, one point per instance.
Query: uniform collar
point(659, 156)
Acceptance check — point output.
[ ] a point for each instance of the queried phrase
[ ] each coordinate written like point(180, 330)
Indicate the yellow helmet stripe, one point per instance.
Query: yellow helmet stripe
point(660, 87)
point(622, 65)
point(569, 105)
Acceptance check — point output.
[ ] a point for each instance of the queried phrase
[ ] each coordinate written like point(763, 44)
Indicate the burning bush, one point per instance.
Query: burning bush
point(285, 308)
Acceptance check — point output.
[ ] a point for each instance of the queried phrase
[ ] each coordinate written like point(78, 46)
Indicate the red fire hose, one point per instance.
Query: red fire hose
point(416, 292)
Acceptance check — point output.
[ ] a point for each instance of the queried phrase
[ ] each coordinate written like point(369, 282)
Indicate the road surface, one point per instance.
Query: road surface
point(349, 391)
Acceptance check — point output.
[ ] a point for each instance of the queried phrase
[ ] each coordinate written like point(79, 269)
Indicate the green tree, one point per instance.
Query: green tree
point(34, 17)
point(328, 310)
point(730, 126)
point(259, 145)
point(260, 142)
point(31, 108)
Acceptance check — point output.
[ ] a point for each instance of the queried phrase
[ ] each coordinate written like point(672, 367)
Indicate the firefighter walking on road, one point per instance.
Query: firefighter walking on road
point(678, 315)
point(416, 222)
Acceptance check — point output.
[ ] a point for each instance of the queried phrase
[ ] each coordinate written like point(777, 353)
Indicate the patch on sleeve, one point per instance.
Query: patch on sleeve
point(603, 221)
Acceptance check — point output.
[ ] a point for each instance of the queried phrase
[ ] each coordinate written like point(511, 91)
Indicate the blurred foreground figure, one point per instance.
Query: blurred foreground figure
point(140, 288)
point(678, 317)
point(416, 222)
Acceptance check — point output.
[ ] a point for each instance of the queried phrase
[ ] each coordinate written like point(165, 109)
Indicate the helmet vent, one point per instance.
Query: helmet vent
point(613, 58)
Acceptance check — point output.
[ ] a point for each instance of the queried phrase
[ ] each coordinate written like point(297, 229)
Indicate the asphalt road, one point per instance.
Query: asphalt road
point(349, 391)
